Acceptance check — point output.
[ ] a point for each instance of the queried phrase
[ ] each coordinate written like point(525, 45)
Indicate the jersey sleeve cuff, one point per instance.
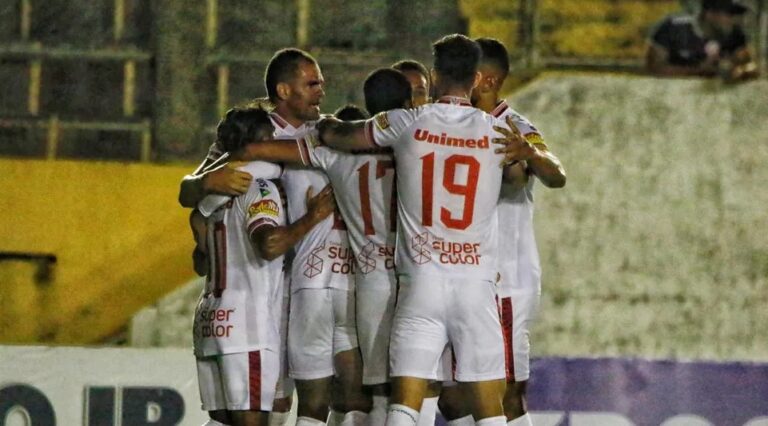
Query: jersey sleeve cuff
point(369, 136)
point(304, 148)
point(260, 223)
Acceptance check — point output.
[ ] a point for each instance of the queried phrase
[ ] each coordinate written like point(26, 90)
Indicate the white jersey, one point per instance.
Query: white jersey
point(364, 189)
point(257, 169)
point(323, 257)
point(519, 263)
point(239, 310)
point(448, 182)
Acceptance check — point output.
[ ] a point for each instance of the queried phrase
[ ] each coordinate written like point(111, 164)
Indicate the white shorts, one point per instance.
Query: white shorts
point(432, 312)
point(239, 381)
point(322, 324)
point(285, 385)
point(517, 316)
point(375, 311)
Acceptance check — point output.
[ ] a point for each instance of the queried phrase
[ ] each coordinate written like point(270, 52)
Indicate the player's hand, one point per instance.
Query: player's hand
point(227, 180)
point(321, 205)
point(515, 148)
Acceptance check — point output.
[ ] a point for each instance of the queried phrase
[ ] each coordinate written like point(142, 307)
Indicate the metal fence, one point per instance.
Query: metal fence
point(137, 80)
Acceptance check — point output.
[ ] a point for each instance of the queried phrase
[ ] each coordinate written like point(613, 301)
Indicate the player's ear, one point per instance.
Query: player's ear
point(283, 90)
point(433, 78)
point(478, 79)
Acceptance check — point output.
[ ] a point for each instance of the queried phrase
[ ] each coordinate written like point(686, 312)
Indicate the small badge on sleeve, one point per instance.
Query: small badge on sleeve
point(535, 139)
point(382, 122)
point(263, 207)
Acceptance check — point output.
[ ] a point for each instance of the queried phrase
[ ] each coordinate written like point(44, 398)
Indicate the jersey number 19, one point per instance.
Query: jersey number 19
point(467, 190)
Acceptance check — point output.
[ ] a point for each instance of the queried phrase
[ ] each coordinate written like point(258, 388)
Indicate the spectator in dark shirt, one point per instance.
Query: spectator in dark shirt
point(709, 44)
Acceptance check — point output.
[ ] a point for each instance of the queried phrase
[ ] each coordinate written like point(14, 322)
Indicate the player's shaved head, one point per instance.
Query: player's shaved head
point(350, 112)
point(241, 126)
point(494, 55)
point(456, 59)
point(386, 89)
point(283, 67)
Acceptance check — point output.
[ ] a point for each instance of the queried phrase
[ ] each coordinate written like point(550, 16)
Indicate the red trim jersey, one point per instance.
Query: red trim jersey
point(521, 269)
point(239, 310)
point(323, 257)
point(257, 169)
point(364, 189)
point(448, 183)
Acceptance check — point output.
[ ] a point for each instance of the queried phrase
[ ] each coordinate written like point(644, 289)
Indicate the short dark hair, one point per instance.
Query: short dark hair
point(282, 67)
point(456, 58)
point(350, 112)
point(411, 65)
point(494, 53)
point(241, 126)
point(733, 7)
point(386, 89)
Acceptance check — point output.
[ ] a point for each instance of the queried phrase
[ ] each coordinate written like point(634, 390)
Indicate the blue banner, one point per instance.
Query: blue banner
point(622, 391)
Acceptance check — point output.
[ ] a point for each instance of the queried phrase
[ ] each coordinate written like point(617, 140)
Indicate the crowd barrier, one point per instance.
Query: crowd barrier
point(46, 386)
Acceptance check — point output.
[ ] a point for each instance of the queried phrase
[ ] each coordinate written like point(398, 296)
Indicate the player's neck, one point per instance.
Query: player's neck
point(285, 114)
point(488, 102)
point(454, 91)
point(463, 94)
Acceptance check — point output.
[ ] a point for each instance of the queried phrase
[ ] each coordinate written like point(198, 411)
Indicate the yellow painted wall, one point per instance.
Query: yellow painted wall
point(119, 234)
point(589, 28)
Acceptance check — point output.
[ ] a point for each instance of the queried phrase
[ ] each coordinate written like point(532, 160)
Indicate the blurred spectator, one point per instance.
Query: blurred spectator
point(708, 44)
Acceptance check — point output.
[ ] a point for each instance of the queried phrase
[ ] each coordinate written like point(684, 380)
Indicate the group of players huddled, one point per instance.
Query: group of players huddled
point(382, 266)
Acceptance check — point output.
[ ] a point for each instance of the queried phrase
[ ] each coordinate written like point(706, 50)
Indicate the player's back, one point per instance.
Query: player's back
point(322, 258)
point(364, 190)
point(448, 188)
point(242, 289)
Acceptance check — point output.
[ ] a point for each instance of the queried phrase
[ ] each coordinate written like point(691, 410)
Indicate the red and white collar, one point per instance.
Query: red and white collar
point(500, 108)
point(279, 121)
point(454, 100)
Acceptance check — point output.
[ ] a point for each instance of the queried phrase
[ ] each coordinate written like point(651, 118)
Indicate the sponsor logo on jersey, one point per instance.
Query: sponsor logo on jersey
point(314, 264)
point(263, 188)
point(342, 258)
point(424, 135)
point(216, 323)
point(264, 207)
point(419, 253)
point(456, 253)
point(382, 122)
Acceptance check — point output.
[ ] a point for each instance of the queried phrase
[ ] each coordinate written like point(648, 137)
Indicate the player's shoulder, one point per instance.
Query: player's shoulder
point(263, 188)
point(397, 118)
point(522, 122)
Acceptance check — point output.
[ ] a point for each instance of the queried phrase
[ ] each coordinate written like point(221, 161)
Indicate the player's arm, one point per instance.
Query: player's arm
point(273, 241)
point(346, 136)
point(200, 253)
point(222, 178)
point(275, 151)
point(547, 167)
point(531, 150)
